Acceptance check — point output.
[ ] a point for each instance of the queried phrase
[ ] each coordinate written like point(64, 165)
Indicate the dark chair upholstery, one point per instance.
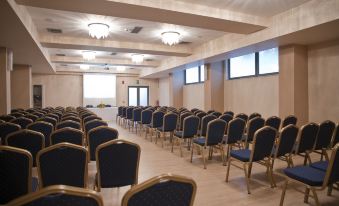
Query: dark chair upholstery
point(217, 114)
point(44, 127)
point(7, 118)
point(210, 111)
point(273, 122)
point(119, 114)
point(117, 164)
point(90, 118)
point(242, 116)
point(170, 121)
point(49, 120)
point(181, 119)
point(63, 164)
point(52, 115)
point(58, 195)
point(17, 114)
point(194, 110)
point(136, 118)
point(157, 121)
point(306, 140)
point(169, 190)
point(291, 119)
point(324, 137)
point(73, 118)
point(67, 134)
point(146, 118)
point(38, 114)
point(22, 121)
point(68, 123)
point(93, 124)
point(15, 173)
point(98, 136)
point(235, 130)
point(204, 122)
point(254, 115)
point(6, 129)
point(254, 125)
point(229, 113)
point(31, 117)
point(335, 138)
point(227, 118)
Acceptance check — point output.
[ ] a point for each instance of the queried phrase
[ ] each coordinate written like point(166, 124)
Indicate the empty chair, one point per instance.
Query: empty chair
point(17, 114)
point(324, 137)
point(291, 119)
point(169, 125)
point(253, 125)
point(170, 190)
point(17, 110)
point(274, 122)
point(73, 118)
point(68, 123)
point(44, 127)
point(7, 118)
point(38, 114)
point(335, 138)
point(22, 121)
point(98, 136)
point(52, 115)
point(123, 116)
point(181, 119)
point(210, 111)
point(214, 136)
point(117, 164)
point(93, 124)
point(136, 118)
point(6, 129)
point(58, 195)
point(157, 121)
point(189, 131)
point(119, 115)
point(31, 117)
point(63, 164)
point(70, 135)
point(49, 120)
point(146, 118)
point(90, 118)
point(227, 118)
point(27, 139)
point(242, 116)
point(306, 140)
point(235, 130)
point(254, 115)
point(229, 113)
point(129, 116)
point(194, 110)
point(16, 173)
point(262, 147)
point(217, 114)
point(204, 122)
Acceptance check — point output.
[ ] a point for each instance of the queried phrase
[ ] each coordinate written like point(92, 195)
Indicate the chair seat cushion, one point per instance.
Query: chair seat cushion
point(178, 133)
point(306, 174)
point(241, 154)
point(200, 141)
point(321, 165)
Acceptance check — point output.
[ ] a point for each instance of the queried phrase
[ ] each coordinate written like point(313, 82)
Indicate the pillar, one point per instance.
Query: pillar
point(176, 84)
point(21, 87)
point(214, 86)
point(5, 80)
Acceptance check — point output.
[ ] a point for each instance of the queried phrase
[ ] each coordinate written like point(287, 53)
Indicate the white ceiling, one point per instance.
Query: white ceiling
point(263, 8)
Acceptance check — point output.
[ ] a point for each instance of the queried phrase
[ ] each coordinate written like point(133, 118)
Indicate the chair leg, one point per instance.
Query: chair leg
point(180, 146)
point(249, 170)
point(315, 196)
point(228, 168)
point(247, 177)
point(307, 194)
point(270, 174)
point(329, 190)
point(172, 145)
point(203, 157)
point(192, 152)
point(283, 193)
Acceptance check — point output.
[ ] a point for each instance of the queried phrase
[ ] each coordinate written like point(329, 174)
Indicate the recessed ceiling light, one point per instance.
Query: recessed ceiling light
point(137, 58)
point(170, 37)
point(84, 67)
point(98, 30)
point(88, 55)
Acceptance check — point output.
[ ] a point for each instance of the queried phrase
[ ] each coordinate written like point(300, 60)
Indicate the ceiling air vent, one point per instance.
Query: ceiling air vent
point(113, 53)
point(64, 65)
point(60, 55)
point(134, 30)
point(185, 42)
point(54, 31)
point(149, 60)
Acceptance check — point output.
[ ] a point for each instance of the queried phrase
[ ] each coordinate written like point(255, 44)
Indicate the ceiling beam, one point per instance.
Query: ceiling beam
point(172, 12)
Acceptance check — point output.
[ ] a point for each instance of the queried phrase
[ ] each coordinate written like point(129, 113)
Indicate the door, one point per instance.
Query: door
point(37, 96)
point(138, 96)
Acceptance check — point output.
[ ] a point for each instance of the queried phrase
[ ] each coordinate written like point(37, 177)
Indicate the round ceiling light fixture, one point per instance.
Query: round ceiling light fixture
point(170, 37)
point(120, 68)
point(98, 30)
point(84, 67)
point(137, 58)
point(88, 55)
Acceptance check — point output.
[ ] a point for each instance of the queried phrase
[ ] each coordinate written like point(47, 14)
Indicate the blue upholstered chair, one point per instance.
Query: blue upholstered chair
point(254, 115)
point(90, 118)
point(335, 138)
point(157, 121)
point(93, 124)
point(31, 117)
point(52, 115)
point(227, 118)
point(63, 164)
point(117, 164)
point(119, 115)
point(129, 116)
point(261, 152)
point(71, 117)
point(181, 120)
point(253, 125)
point(44, 127)
point(217, 114)
point(68, 123)
point(235, 130)
point(170, 190)
point(214, 137)
point(291, 119)
point(98, 136)
point(17, 114)
point(204, 122)
point(49, 120)
point(136, 117)
point(306, 141)
point(169, 125)
point(7, 118)
point(274, 122)
point(22, 121)
point(242, 116)
point(313, 178)
point(146, 119)
point(229, 113)
point(67, 134)
point(38, 114)
point(7, 128)
point(324, 137)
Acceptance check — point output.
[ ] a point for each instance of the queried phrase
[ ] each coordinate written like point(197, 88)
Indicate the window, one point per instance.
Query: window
point(195, 75)
point(269, 61)
point(242, 66)
point(138, 96)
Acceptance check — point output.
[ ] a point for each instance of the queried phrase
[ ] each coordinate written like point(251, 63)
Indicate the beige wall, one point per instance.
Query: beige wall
point(323, 81)
point(21, 87)
point(164, 91)
point(193, 96)
point(5, 82)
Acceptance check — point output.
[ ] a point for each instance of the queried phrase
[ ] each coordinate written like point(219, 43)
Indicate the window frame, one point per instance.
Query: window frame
point(199, 77)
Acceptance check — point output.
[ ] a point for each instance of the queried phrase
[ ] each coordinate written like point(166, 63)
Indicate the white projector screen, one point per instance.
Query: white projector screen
point(99, 88)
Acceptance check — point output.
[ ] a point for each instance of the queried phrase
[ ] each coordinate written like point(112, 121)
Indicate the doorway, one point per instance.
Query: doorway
point(138, 95)
point(37, 96)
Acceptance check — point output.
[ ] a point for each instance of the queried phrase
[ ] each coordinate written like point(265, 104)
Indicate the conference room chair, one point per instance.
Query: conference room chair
point(274, 122)
point(169, 125)
point(93, 124)
point(129, 117)
point(181, 120)
point(217, 114)
point(16, 174)
point(242, 116)
point(166, 189)
point(291, 119)
point(117, 164)
point(229, 113)
point(123, 116)
point(29, 140)
point(98, 136)
point(68, 123)
point(52, 115)
point(31, 110)
point(57, 195)
point(17, 110)
point(31, 117)
point(146, 118)
point(136, 117)
point(43, 127)
point(7, 128)
point(38, 114)
point(254, 115)
point(335, 138)
point(198, 111)
point(204, 122)
point(283, 149)
point(90, 118)
point(22, 121)
point(253, 125)
point(227, 118)
point(72, 118)
point(86, 114)
point(17, 114)
point(260, 153)
point(119, 114)
point(306, 140)
point(7, 118)
point(210, 111)
point(49, 120)
point(214, 137)
point(63, 164)
point(189, 131)
point(312, 178)
point(324, 137)
point(67, 134)
point(194, 110)
point(59, 113)
point(157, 121)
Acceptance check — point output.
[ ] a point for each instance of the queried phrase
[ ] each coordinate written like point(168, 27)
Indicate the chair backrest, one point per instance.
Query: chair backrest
point(332, 172)
point(6, 129)
point(325, 135)
point(93, 124)
point(274, 122)
point(215, 132)
point(307, 137)
point(201, 115)
point(217, 114)
point(286, 140)
point(167, 189)
point(254, 115)
point(170, 121)
point(71, 117)
point(22, 121)
point(263, 143)
point(227, 118)
point(242, 116)
point(57, 195)
point(27, 139)
point(68, 123)
point(235, 130)
point(90, 118)
point(254, 125)
point(136, 114)
point(31, 117)
point(7, 118)
point(157, 119)
point(204, 122)
point(38, 114)
point(17, 114)
point(182, 117)
point(291, 119)
point(63, 164)
point(194, 109)
point(49, 120)
point(210, 111)
point(87, 114)
point(16, 173)
point(335, 138)
point(190, 126)
point(44, 127)
point(146, 116)
point(129, 112)
point(117, 163)
point(120, 111)
point(229, 113)
point(52, 115)
point(124, 111)
point(98, 136)
point(67, 134)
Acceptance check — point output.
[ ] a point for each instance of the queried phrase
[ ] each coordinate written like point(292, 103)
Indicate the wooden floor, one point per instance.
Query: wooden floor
point(212, 188)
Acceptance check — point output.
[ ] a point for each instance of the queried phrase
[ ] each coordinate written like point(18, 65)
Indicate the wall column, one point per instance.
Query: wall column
point(5, 80)
point(214, 86)
point(293, 82)
point(176, 84)
point(21, 87)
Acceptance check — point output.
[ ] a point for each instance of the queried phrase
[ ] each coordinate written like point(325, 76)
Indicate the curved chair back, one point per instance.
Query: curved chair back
point(129, 112)
point(124, 112)
point(182, 118)
point(68, 123)
point(210, 111)
point(71, 117)
point(170, 121)
point(227, 118)
point(17, 114)
point(63, 164)
point(242, 116)
point(325, 134)
point(16, 173)
point(29, 140)
point(136, 114)
point(93, 124)
point(98, 136)
point(52, 115)
point(286, 140)
point(87, 114)
point(157, 119)
point(335, 138)
point(229, 113)
point(90, 118)
point(204, 122)
point(7, 118)
point(49, 120)
point(332, 174)
point(291, 119)
point(235, 130)
point(190, 126)
point(254, 125)
point(17, 110)
point(194, 110)
point(38, 114)
point(117, 164)
point(67, 134)
point(307, 137)
point(165, 189)
point(31, 117)
point(215, 132)
point(254, 115)
point(44, 127)
point(22, 121)
point(263, 143)
point(217, 114)
point(274, 122)
point(6, 129)
point(146, 116)
point(57, 195)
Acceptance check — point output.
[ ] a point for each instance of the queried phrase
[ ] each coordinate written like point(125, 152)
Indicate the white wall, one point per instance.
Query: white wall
point(193, 96)
point(164, 92)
